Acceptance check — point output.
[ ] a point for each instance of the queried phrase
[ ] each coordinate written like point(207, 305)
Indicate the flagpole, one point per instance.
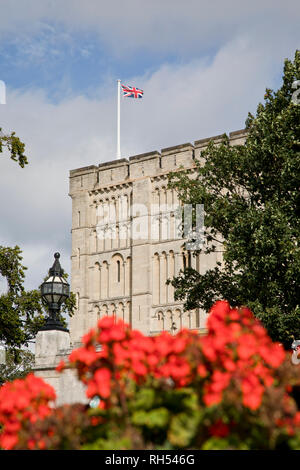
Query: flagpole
point(118, 121)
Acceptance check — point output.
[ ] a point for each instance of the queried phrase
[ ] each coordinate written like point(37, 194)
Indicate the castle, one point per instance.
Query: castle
point(125, 245)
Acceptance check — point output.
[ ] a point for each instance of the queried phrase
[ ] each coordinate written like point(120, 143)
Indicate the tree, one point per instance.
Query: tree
point(14, 146)
point(251, 201)
point(22, 312)
point(12, 369)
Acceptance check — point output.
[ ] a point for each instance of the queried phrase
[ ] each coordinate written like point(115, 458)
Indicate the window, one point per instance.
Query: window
point(118, 271)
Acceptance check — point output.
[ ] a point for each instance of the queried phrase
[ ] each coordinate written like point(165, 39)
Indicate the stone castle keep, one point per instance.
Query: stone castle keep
point(124, 248)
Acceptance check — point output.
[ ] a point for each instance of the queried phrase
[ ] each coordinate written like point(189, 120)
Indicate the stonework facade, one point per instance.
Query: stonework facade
point(123, 252)
point(114, 270)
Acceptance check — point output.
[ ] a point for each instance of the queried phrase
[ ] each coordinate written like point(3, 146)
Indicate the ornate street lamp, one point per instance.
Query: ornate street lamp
point(55, 290)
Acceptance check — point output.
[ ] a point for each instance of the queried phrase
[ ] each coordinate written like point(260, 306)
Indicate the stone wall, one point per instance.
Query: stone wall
point(51, 347)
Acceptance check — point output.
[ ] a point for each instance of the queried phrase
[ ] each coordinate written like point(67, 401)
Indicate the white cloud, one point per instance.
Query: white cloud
point(170, 26)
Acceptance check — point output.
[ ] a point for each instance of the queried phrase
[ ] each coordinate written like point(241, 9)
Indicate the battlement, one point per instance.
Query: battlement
point(146, 164)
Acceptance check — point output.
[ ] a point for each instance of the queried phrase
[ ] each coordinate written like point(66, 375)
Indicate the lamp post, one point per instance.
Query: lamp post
point(55, 290)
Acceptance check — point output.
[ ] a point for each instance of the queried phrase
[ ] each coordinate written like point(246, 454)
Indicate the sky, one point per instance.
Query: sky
point(202, 65)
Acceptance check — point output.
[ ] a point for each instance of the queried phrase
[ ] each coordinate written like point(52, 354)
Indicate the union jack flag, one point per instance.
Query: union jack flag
point(132, 92)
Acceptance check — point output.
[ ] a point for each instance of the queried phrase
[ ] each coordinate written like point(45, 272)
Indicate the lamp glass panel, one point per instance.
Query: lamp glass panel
point(48, 297)
point(56, 298)
point(47, 287)
point(66, 289)
point(57, 287)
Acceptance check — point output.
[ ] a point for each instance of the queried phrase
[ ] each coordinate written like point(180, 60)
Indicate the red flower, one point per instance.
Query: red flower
point(152, 360)
point(117, 333)
point(139, 368)
point(41, 444)
point(230, 365)
point(87, 356)
point(252, 400)
point(22, 401)
point(92, 389)
point(212, 398)
point(88, 338)
point(102, 378)
point(252, 391)
point(31, 444)
point(220, 380)
point(221, 308)
point(95, 420)
point(8, 441)
point(179, 345)
point(276, 355)
point(247, 346)
point(106, 322)
point(219, 429)
point(202, 371)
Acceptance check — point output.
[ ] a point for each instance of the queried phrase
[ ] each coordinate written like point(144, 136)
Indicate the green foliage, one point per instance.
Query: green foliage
point(15, 147)
point(218, 443)
point(16, 366)
point(154, 418)
point(21, 312)
point(160, 418)
point(113, 432)
point(251, 199)
point(184, 424)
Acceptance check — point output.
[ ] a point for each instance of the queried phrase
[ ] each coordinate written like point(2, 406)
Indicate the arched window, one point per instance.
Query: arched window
point(184, 260)
point(189, 259)
point(113, 312)
point(97, 282)
point(178, 318)
point(169, 321)
point(104, 281)
point(121, 311)
point(156, 279)
point(96, 313)
point(118, 271)
point(171, 274)
point(117, 276)
point(104, 311)
point(128, 276)
point(160, 321)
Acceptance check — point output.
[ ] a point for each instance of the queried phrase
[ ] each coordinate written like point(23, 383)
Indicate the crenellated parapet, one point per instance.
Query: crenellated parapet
point(155, 163)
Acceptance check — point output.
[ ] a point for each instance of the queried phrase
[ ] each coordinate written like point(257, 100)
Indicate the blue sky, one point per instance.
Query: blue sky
point(77, 63)
point(202, 66)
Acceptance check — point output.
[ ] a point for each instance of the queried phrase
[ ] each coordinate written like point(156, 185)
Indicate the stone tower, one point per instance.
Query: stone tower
point(125, 245)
